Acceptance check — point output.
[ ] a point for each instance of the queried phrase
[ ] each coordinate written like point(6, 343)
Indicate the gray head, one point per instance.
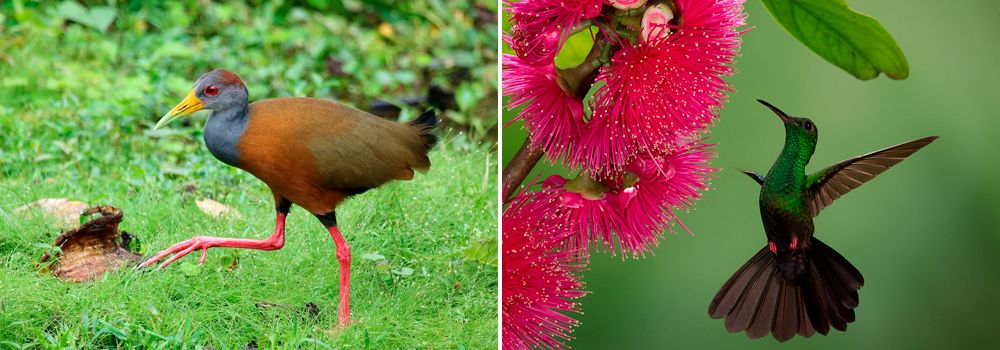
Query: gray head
point(218, 91)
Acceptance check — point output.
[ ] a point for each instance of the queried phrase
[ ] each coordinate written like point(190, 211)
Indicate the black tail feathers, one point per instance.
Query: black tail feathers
point(761, 298)
point(425, 124)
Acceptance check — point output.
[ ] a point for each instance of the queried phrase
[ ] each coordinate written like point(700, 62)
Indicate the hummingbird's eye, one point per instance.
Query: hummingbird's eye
point(808, 125)
point(212, 90)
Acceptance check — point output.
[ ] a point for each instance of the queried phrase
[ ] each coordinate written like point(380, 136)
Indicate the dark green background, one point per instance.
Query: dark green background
point(925, 234)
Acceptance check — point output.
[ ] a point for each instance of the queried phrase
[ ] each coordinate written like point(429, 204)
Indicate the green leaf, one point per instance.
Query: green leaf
point(575, 49)
point(372, 256)
point(99, 17)
point(405, 271)
point(852, 41)
point(483, 251)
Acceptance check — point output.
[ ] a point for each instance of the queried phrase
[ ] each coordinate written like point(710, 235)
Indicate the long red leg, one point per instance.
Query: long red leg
point(344, 257)
point(276, 241)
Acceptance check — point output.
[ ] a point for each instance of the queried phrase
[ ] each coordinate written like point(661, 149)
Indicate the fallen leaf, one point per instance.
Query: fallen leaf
point(66, 212)
point(216, 209)
point(265, 304)
point(92, 249)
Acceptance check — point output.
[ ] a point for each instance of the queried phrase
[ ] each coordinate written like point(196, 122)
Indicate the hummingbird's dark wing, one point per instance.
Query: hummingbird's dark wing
point(829, 184)
point(755, 176)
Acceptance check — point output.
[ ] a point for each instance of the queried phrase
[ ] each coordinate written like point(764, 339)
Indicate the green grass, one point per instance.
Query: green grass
point(425, 225)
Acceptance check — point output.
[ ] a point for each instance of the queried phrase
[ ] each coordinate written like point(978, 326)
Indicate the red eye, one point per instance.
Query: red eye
point(212, 90)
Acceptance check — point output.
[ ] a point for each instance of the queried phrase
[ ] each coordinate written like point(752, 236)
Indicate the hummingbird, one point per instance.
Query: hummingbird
point(796, 284)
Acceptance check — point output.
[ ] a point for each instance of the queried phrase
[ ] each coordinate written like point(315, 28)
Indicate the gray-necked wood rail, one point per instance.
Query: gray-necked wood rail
point(311, 152)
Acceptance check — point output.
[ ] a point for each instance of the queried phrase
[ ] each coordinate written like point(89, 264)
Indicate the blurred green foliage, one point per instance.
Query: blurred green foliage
point(925, 234)
point(81, 84)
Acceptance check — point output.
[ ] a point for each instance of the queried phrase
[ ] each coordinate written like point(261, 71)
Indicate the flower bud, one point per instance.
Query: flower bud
point(655, 21)
point(627, 4)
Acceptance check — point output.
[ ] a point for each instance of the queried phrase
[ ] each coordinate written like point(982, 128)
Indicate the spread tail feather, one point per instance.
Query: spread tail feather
point(760, 299)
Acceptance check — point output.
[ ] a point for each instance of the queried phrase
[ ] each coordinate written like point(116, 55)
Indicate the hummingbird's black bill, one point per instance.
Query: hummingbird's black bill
point(784, 117)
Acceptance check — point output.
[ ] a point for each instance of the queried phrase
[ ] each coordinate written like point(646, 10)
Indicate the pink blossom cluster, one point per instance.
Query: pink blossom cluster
point(539, 280)
point(637, 144)
point(629, 213)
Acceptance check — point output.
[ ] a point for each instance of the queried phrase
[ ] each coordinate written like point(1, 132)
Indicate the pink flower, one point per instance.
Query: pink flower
point(630, 212)
point(539, 27)
point(539, 281)
point(660, 92)
point(664, 184)
point(591, 212)
point(552, 116)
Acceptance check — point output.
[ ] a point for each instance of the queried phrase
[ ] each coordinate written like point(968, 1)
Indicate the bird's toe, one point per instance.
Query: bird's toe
point(179, 250)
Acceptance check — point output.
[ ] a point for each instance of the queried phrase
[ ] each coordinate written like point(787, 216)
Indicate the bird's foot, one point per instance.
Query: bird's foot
point(772, 247)
point(795, 243)
point(276, 241)
point(181, 249)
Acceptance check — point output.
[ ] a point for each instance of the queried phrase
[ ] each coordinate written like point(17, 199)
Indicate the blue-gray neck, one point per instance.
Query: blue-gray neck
point(223, 131)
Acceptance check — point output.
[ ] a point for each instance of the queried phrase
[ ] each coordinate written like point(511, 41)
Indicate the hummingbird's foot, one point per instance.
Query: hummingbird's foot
point(772, 247)
point(795, 243)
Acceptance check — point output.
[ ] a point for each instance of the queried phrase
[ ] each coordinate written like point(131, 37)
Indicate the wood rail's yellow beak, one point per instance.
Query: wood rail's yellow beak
point(189, 105)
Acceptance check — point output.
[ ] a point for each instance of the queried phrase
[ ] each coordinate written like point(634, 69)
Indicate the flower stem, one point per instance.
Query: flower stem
point(631, 18)
point(579, 78)
point(584, 25)
point(632, 37)
point(518, 168)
